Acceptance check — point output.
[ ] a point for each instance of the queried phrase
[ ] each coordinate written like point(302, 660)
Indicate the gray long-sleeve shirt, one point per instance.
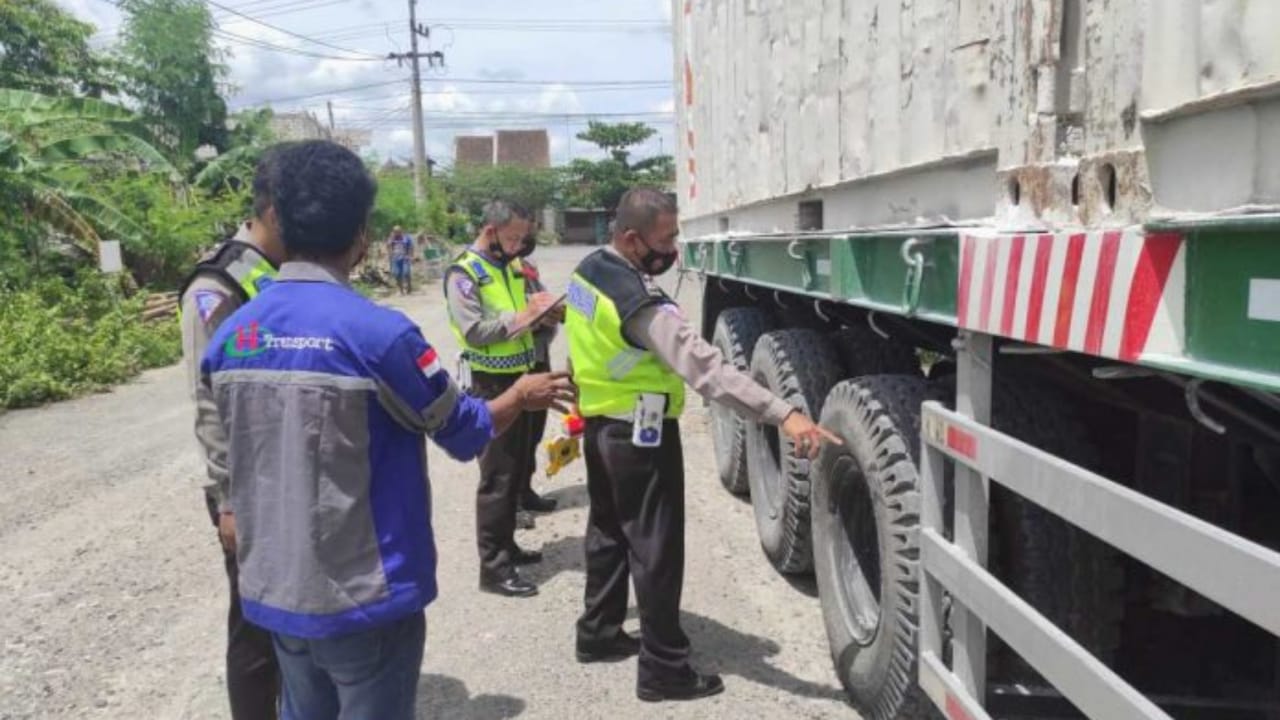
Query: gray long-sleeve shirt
point(207, 302)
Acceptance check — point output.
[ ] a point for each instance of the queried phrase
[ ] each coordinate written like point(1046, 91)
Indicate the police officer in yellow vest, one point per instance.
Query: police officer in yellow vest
point(631, 353)
point(490, 312)
point(230, 276)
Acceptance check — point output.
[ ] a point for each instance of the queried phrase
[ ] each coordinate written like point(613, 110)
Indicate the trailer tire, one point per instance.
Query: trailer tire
point(736, 332)
point(1072, 578)
point(799, 366)
point(863, 352)
point(866, 517)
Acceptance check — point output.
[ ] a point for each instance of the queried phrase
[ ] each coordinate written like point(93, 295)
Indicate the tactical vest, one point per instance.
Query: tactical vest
point(609, 370)
point(501, 289)
point(240, 264)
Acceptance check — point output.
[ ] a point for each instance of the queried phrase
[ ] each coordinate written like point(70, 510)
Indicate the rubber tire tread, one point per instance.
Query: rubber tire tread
point(736, 332)
point(800, 366)
point(878, 417)
point(1035, 549)
point(863, 352)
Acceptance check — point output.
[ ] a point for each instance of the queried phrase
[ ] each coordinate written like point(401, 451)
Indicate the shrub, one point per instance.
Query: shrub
point(61, 339)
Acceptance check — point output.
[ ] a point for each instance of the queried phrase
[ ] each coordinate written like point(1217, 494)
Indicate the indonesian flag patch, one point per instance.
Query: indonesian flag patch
point(429, 362)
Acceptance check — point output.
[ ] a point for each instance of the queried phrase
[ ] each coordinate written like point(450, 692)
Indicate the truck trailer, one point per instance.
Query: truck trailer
point(1023, 257)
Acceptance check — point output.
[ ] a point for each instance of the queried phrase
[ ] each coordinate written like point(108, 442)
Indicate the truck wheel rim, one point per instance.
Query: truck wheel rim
point(857, 550)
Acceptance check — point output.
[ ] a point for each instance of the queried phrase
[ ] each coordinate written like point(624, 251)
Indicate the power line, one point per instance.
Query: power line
point(290, 33)
point(231, 37)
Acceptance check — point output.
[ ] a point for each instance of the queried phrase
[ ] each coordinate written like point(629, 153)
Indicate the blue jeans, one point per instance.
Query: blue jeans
point(371, 675)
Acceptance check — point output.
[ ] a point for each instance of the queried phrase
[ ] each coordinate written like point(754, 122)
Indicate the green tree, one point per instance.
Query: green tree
point(175, 73)
point(250, 133)
point(45, 143)
point(472, 187)
point(601, 183)
point(616, 138)
point(45, 49)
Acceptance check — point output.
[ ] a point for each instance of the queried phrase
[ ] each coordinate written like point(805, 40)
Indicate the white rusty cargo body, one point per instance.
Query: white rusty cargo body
point(903, 111)
point(1023, 256)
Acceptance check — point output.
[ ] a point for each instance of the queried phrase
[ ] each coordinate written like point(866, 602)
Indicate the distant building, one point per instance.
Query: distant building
point(472, 150)
point(295, 126)
point(289, 127)
point(523, 148)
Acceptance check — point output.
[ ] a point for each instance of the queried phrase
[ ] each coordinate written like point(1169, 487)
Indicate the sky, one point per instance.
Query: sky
point(507, 64)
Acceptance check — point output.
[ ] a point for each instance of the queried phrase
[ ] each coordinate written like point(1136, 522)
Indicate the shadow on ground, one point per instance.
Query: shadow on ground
point(569, 497)
point(441, 697)
point(725, 650)
point(562, 555)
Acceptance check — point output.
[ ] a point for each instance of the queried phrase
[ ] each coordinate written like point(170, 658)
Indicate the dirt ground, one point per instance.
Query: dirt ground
point(113, 596)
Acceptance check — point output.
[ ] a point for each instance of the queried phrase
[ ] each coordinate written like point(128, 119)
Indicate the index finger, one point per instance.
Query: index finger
point(830, 436)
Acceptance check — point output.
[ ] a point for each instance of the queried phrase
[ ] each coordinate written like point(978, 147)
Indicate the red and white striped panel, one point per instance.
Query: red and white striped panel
point(1115, 293)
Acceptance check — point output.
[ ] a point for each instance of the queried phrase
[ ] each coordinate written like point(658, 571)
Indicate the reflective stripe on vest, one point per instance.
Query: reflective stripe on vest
point(501, 290)
point(610, 372)
point(241, 264)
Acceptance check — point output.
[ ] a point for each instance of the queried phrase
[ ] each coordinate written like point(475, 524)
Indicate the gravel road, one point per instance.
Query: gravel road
point(113, 596)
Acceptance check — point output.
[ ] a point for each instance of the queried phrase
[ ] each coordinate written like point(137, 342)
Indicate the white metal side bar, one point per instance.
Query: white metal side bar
point(1082, 678)
point(973, 400)
point(946, 691)
point(1239, 575)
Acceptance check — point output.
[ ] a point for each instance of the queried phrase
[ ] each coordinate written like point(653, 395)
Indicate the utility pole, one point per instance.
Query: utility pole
point(330, 104)
point(419, 141)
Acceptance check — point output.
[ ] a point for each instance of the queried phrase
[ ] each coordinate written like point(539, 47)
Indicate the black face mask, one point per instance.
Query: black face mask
point(528, 247)
point(656, 263)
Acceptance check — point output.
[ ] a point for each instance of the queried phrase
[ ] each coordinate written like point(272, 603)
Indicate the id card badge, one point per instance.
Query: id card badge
point(464, 373)
point(646, 423)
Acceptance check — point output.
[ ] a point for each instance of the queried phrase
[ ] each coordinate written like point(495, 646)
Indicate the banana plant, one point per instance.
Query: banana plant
point(42, 136)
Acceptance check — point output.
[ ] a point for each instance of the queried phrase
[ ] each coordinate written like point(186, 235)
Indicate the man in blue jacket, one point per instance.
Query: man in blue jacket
point(324, 398)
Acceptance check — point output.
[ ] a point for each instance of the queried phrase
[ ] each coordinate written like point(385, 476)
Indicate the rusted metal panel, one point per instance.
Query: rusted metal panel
point(795, 99)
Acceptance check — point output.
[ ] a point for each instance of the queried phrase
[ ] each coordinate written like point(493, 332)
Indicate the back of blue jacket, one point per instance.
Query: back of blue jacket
point(325, 398)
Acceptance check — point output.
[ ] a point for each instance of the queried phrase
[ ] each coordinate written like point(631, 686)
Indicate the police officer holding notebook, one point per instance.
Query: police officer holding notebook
point(494, 318)
point(631, 353)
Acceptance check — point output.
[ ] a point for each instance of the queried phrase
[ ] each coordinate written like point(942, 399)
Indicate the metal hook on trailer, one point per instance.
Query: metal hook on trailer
point(793, 251)
point(747, 289)
point(720, 282)
point(1193, 407)
point(817, 309)
point(914, 260)
point(777, 298)
point(871, 321)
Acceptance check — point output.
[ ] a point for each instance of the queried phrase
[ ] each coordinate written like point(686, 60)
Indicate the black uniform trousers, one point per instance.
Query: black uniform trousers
point(635, 530)
point(537, 428)
point(253, 676)
point(505, 467)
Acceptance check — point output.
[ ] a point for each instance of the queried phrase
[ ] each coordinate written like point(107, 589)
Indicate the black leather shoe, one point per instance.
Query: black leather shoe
point(620, 648)
point(693, 687)
point(510, 586)
point(521, 556)
point(533, 502)
point(524, 520)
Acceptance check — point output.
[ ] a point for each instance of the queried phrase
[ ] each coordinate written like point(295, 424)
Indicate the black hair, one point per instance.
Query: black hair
point(323, 195)
point(262, 179)
point(640, 208)
point(500, 212)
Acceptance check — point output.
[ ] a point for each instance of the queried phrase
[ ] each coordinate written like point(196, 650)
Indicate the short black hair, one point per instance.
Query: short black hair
point(262, 179)
point(640, 207)
point(322, 195)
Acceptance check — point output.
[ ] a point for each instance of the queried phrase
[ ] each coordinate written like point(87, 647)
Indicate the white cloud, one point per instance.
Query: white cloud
point(261, 75)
